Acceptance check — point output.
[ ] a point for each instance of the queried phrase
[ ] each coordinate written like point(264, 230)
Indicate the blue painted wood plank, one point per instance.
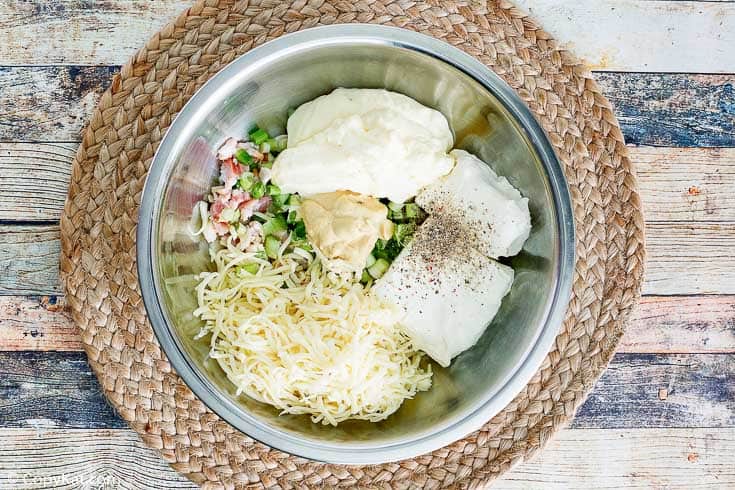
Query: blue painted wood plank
point(673, 109)
point(52, 103)
point(58, 389)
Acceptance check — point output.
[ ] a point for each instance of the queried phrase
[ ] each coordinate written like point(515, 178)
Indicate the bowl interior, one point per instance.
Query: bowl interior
point(262, 92)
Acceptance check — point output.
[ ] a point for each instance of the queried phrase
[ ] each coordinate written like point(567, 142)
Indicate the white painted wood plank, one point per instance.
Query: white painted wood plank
point(42, 323)
point(34, 180)
point(679, 324)
point(624, 35)
point(690, 258)
point(686, 184)
point(29, 260)
point(576, 459)
point(80, 32)
point(87, 459)
point(642, 458)
point(639, 35)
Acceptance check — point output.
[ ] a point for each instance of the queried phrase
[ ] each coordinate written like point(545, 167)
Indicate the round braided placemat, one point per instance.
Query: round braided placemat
point(99, 221)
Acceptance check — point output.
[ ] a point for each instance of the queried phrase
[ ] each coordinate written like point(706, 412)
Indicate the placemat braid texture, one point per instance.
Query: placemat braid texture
point(99, 223)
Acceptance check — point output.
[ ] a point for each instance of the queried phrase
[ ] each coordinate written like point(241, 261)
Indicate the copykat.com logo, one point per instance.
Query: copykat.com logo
point(22, 481)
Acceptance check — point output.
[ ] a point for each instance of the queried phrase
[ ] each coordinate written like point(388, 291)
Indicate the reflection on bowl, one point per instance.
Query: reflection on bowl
point(487, 119)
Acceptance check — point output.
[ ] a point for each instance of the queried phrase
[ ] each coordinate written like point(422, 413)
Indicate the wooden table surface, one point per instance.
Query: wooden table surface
point(662, 416)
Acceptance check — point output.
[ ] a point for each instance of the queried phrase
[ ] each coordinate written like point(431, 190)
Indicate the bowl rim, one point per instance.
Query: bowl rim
point(476, 415)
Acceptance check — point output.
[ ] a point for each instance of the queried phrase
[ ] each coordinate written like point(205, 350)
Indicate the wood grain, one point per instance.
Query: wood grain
point(676, 184)
point(686, 184)
point(637, 35)
point(72, 459)
point(83, 32)
point(629, 35)
point(52, 389)
point(36, 323)
point(688, 194)
point(681, 324)
point(683, 258)
point(34, 178)
point(690, 258)
point(575, 459)
point(661, 324)
point(58, 390)
point(691, 110)
point(698, 391)
point(626, 459)
point(51, 103)
point(29, 260)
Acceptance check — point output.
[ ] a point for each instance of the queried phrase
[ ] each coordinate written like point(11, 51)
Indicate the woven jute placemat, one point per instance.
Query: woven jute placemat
point(99, 223)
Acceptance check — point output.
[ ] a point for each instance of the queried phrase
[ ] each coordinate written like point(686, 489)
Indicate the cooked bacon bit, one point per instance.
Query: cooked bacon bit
point(227, 197)
point(229, 200)
point(227, 149)
point(229, 172)
point(248, 208)
point(238, 197)
point(221, 228)
point(217, 207)
point(263, 204)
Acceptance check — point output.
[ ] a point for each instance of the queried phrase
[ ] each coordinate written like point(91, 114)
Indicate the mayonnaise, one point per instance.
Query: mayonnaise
point(369, 141)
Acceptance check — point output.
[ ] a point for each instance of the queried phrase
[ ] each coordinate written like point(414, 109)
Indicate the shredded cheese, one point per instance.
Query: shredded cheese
point(305, 340)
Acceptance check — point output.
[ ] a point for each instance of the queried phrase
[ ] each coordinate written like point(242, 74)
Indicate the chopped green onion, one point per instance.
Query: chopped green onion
point(245, 182)
point(378, 268)
point(258, 135)
point(403, 232)
point(366, 277)
point(261, 217)
point(251, 268)
point(299, 230)
point(268, 164)
point(370, 260)
point(261, 255)
point(412, 210)
point(265, 147)
point(258, 190)
point(395, 214)
point(273, 190)
point(292, 217)
point(294, 200)
point(395, 206)
point(302, 244)
point(275, 226)
point(280, 199)
point(387, 249)
point(272, 244)
point(242, 156)
point(279, 143)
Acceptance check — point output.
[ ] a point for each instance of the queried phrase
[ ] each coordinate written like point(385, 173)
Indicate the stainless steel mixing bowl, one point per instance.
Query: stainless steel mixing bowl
point(487, 118)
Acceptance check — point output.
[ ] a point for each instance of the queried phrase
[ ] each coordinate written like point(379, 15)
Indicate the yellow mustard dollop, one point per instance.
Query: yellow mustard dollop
point(343, 226)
